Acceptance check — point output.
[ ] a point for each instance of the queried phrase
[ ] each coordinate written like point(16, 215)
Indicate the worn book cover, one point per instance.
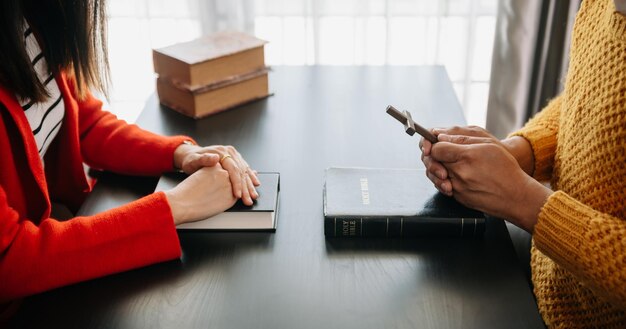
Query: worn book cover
point(261, 216)
point(210, 59)
point(216, 97)
point(385, 202)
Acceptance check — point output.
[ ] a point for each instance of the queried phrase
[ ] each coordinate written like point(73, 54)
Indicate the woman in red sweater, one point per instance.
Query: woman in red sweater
point(51, 54)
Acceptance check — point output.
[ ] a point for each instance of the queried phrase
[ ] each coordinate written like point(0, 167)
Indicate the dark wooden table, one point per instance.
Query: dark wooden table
point(295, 278)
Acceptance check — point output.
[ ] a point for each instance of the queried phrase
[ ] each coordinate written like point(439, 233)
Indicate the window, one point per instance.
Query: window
point(455, 33)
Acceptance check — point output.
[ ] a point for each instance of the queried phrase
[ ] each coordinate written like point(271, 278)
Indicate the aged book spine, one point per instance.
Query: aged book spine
point(403, 227)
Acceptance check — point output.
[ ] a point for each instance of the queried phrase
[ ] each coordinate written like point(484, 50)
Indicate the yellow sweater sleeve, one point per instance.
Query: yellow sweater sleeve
point(541, 132)
point(588, 243)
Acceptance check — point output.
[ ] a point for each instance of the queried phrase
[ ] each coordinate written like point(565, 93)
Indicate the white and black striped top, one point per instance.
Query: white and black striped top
point(45, 117)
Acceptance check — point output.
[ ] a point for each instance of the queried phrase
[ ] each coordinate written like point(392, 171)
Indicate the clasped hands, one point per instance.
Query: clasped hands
point(467, 163)
point(486, 174)
point(219, 176)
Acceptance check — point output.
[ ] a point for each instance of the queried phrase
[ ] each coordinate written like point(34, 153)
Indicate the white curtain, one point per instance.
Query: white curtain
point(512, 63)
point(530, 59)
point(218, 15)
point(455, 33)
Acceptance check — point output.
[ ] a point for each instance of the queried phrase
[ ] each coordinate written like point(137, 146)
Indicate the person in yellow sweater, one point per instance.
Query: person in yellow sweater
point(578, 144)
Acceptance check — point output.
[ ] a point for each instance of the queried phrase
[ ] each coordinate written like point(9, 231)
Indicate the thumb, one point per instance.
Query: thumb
point(199, 161)
point(209, 159)
point(447, 152)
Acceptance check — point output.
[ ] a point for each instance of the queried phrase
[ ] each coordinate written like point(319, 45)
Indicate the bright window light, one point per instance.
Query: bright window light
point(455, 33)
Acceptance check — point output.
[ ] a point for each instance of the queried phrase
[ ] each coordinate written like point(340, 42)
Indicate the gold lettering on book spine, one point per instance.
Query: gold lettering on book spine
point(348, 227)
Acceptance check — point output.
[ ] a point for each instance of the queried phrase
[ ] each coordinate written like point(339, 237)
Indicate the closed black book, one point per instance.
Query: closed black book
point(261, 216)
point(368, 202)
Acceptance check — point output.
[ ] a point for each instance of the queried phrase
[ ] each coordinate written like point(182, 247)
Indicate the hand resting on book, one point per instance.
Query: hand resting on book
point(190, 158)
point(207, 192)
point(218, 177)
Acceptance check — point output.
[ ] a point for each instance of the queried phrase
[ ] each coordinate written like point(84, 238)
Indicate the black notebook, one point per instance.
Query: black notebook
point(261, 216)
point(368, 202)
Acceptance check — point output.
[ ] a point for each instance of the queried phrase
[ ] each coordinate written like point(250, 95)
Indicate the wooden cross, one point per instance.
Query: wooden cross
point(409, 125)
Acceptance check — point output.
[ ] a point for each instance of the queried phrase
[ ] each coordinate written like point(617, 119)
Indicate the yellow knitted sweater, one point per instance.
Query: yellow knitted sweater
point(578, 258)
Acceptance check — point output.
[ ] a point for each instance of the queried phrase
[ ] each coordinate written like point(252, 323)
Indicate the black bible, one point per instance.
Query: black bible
point(369, 202)
point(261, 216)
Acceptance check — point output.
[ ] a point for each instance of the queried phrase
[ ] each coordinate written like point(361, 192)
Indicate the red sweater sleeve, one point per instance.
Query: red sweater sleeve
point(111, 144)
point(35, 258)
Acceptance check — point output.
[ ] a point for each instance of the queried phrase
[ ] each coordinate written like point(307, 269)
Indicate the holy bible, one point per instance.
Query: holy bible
point(261, 216)
point(379, 202)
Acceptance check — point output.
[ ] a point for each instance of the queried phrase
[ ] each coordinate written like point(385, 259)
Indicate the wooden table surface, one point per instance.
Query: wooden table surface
point(295, 278)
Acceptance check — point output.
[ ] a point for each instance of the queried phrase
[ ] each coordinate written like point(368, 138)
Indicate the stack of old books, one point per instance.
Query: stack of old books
point(211, 74)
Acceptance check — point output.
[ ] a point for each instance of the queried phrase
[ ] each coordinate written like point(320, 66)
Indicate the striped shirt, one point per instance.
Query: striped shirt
point(44, 117)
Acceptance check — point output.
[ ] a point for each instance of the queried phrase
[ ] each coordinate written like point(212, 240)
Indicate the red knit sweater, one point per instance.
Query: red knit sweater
point(38, 253)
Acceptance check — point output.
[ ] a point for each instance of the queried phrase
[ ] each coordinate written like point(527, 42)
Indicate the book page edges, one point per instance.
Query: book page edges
point(168, 98)
point(235, 221)
point(216, 111)
point(227, 81)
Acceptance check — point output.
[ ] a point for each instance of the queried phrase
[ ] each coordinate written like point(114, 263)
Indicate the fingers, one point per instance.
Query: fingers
point(464, 139)
point(252, 174)
point(234, 174)
point(468, 131)
point(435, 168)
point(247, 177)
point(446, 152)
point(242, 177)
point(443, 185)
point(438, 174)
point(253, 193)
point(248, 192)
point(435, 171)
point(425, 146)
point(245, 189)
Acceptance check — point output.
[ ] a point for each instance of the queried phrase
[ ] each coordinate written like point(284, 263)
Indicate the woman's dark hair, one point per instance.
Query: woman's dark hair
point(72, 34)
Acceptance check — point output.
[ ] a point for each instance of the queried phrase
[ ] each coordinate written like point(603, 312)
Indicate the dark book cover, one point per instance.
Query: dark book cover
point(381, 202)
point(262, 215)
